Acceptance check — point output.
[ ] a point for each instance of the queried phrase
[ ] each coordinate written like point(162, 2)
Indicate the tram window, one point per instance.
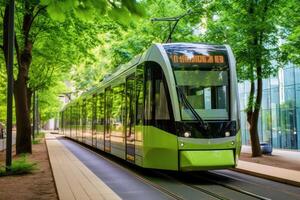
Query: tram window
point(148, 96)
point(161, 105)
point(206, 90)
point(118, 109)
point(79, 119)
point(108, 113)
point(157, 102)
point(95, 110)
point(100, 110)
point(89, 112)
point(83, 119)
point(76, 117)
point(139, 94)
point(71, 121)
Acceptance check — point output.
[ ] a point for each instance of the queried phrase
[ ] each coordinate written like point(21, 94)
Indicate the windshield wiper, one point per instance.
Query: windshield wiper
point(190, 107)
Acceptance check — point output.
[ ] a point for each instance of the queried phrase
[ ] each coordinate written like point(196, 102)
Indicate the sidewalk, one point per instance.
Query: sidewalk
point(72, 178)
point(282, 166)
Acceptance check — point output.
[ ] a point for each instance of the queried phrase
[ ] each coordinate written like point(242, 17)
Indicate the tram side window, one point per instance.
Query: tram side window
point(83, 117)
point(157, 100)
point(100, 112)
point(139, 94)
point(67, 121)
point(148, 96)
point(161, 103)
point(118, 110)
point(76, 117)
point(94, 111)
point(71, 120)
point(79, 130)
point(89, 115)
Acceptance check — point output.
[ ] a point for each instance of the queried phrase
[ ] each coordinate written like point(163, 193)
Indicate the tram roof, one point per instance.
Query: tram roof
point(142, 57)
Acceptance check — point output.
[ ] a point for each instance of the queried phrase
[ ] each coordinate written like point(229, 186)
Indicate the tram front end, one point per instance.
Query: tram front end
point(206, 87)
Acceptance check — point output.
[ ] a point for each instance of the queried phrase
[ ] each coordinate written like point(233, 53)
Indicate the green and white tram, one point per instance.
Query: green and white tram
point(174, 107)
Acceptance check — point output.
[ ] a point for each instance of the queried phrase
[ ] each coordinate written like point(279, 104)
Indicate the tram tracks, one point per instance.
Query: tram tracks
point(176, 185)
point(202, 188)
point(231, 187)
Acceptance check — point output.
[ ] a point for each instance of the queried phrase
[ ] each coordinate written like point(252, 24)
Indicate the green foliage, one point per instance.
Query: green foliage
point(290, 32)
point(87, 10)
point(251, 29)
point(117, 44)
point(81, 41)
point(36, 141)
point(19, 166)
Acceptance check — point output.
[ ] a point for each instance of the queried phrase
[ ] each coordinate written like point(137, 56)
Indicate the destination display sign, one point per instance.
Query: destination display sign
point(196, 55)
point(194, 59)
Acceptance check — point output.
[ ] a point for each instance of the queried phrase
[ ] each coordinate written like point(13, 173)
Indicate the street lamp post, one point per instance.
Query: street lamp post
point(10, 63)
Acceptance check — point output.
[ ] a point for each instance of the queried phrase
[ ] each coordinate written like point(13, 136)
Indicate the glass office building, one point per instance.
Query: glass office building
point(279, 121)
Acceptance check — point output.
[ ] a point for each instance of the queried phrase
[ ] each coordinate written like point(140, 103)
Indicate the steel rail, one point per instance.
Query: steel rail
point(237, 189)
point(246, 181)
point(194, 187)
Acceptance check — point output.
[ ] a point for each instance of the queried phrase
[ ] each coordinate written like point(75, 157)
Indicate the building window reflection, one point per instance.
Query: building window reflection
point(279, 121)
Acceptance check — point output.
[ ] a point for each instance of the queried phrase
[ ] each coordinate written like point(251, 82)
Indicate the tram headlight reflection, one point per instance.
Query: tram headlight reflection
point(187, 134)
point(227, 134)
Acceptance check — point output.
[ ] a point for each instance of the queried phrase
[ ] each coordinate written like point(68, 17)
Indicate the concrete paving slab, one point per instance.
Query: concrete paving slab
point(287, 176)
point(72, 178)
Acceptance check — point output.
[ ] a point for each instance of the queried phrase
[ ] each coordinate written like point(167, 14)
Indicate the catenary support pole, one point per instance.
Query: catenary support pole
point(10, 63)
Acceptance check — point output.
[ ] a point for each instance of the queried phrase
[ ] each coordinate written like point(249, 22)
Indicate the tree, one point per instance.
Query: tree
point(119, 44)
point(290, 31)
point(30, 15)
point(251, 28)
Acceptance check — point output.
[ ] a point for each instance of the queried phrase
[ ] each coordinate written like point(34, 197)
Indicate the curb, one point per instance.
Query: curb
point(55, 186)
point(273, 178)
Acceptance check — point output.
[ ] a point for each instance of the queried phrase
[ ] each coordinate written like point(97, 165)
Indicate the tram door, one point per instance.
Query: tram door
point(130, 104)
point(107, 127)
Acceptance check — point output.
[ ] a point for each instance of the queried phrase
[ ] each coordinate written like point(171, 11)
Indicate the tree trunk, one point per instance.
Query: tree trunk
point(255, 144)
point(22, 93)
point(23, 142)
point(256, 150)
point(29, 99)
point(253, 111)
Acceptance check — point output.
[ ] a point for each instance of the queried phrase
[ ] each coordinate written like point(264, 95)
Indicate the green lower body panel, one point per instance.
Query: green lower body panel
point(205, 160)
point(160, 149)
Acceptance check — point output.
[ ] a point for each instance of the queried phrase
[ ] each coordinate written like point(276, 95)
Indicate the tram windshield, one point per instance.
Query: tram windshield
point(206, 92)
point(202, 74)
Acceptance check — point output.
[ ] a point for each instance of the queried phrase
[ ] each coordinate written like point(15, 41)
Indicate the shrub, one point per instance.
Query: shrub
point(19, 166)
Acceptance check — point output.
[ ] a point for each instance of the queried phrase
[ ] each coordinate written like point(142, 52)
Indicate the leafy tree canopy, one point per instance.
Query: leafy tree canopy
point(120, 10)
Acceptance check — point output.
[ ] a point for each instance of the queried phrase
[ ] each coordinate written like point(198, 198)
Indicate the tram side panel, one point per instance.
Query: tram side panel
point(160, 149)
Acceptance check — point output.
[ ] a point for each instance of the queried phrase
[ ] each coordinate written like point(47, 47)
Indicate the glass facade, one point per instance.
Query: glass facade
point(279, 120)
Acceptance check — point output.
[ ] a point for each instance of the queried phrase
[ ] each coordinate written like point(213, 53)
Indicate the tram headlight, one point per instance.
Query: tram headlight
point(227, 134)
point(187, 134)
